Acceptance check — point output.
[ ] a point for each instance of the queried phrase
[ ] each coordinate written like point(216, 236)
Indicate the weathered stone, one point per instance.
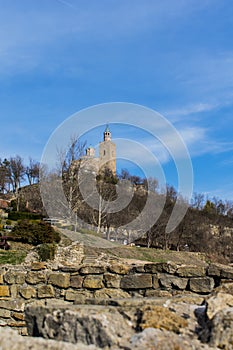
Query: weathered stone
point(82, 296)
point(14, 290)
point(38, 265)
point(5, 313)
point(18, 316)
point(59, 279)
point(170, 281)
point(155, 281)
point(4, 291)
point(27, 292)
point(112, 280)
point(157, 293)
point(220, 270)
point(10, 339)
point(119, 269)
point(16, 324)
point(93, 282)
point(34, 277)
point(92, 269)
point(201, 284)
point(137, 269)
point(162, 318)
point(191, 271)
point(23, 331)
point(153, 267)
point(1, 279)
point(9, 277)
point(71, 294)
point(214, 270)
point(224, 288)
point(88, 324)
point(139, 281)
point(76, 281)
point(45, 291)
point(217, 302)
point(221, 334)
point(157, 339)
point(20, 277)
point(15, 305)
point(227, 272)
point(110, 293)
point(169, 267)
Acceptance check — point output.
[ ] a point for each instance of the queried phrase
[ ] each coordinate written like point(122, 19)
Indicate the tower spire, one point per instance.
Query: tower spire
point(107, 134)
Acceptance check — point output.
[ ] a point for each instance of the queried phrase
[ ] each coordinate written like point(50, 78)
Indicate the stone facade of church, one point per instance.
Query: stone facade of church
point(107, 155)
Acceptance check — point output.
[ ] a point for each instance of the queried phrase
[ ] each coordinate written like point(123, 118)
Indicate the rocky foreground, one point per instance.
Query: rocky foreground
point(123, 304)
point(183, 322)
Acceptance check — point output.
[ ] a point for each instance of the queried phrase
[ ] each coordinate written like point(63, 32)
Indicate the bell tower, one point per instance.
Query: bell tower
point(107, 152)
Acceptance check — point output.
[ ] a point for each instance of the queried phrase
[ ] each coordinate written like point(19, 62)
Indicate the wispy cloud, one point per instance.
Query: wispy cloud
point(177, 114)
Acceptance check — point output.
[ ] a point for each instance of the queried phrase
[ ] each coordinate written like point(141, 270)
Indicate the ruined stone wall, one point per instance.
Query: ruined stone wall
point(41, 284)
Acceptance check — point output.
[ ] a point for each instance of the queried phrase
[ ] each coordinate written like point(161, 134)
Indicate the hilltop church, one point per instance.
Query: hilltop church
point(107, 155)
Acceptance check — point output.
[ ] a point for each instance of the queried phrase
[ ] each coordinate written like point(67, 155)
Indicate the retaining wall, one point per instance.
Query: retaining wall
point(22, 285)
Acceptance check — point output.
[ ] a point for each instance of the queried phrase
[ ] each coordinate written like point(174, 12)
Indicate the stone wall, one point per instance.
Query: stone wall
point(42, 284)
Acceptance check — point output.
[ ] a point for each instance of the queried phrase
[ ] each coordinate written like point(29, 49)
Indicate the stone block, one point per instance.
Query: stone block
point(201, 284)
point(27, 292)
point(168, 267)
point(4, 291)
point(82, 296)
point(1, 279)
point(18, 316)
point(103, 327)
point(15, 305)
point(140, 281)
point(14, 290)
point(20, 277)
point(45, 291)
point(38, 265)
point(170, 281)
point(35, 277)
point(5, 313)
point(105, 293)
point(119, 269)
point(16, 324)
point(153, 267)
point(92, 269)
point(112, 280)
point(59, 279)
point(71, 295)
point(227, 272)
point(9, 277)
point(93, 282)
point(160, 317)
point(214, 270)
point(157, 293)
point(76, 281)
point(137, 269)
point(155, 280)
point(191, 271)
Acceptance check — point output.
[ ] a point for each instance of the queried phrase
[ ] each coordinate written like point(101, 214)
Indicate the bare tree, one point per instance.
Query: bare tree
point(198, 200)
point(4, 176)
point(32, 171)
point(68, 168)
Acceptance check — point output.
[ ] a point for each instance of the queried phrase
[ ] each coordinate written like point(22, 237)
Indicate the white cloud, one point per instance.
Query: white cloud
point(177, 114)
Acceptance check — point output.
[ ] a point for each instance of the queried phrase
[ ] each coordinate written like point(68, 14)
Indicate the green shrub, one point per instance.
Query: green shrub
point(8, 222)
point(46, 251)
point(35, 232)
point(14, 215)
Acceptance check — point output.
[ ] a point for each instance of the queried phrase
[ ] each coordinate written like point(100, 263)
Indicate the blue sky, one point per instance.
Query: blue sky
point(174, 56)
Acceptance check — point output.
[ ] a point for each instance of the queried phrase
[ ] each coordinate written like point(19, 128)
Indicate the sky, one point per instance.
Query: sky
point(58, 57)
